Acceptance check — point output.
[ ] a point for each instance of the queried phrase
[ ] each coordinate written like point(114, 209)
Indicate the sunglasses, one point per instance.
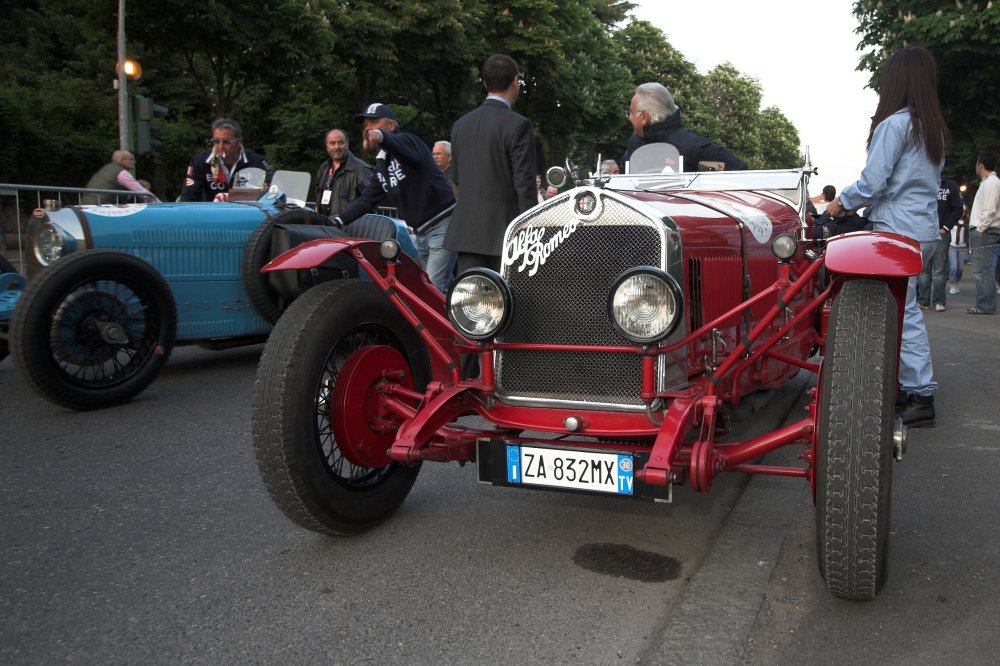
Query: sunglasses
point(224, 142)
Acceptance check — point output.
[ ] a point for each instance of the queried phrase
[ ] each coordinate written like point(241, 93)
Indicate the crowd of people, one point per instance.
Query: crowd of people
point(459, 196)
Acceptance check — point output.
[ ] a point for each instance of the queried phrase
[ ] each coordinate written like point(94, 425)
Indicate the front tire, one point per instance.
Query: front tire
point(855, 440)
point(309, 421)
point(94, 329)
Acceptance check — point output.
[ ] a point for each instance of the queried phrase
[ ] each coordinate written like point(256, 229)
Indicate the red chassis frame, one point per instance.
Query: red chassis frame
point(426, 421)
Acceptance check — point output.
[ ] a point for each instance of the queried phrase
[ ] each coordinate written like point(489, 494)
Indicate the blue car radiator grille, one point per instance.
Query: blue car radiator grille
point(565, 302)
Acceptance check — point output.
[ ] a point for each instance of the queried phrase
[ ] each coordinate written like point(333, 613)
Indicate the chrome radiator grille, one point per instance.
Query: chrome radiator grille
point(565, 302)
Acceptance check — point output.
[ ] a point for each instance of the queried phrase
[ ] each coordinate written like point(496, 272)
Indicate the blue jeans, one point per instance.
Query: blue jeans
point(437, 261)
point(982, 267)
point(956, 262)
point(931, 281)
point(916, 374)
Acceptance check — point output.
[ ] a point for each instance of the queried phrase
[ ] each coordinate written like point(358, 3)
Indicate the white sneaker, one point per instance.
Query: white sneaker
point(953, 290)
point(938, 307)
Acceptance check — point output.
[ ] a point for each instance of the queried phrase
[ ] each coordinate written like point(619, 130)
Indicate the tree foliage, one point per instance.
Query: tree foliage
point(962, 35)
point(288, 70)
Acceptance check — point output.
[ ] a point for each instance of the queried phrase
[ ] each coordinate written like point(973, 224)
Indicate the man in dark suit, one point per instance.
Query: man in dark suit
point(493, 167)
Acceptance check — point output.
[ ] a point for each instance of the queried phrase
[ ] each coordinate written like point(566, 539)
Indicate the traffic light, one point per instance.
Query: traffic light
point(146, 111)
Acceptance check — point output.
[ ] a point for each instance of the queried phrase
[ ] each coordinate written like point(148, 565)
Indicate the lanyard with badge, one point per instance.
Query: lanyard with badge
point(328, 192)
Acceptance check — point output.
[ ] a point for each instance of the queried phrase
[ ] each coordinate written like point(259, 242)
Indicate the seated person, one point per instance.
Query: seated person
point(211, 173)
point(656, 119)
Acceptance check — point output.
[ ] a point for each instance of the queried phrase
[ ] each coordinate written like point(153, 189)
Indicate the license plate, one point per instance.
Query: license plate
point(576, 470)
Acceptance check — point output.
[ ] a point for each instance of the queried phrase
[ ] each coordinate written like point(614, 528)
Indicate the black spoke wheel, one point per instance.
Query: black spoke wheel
point(94, 329)
point(316, 428)
point(855, 440)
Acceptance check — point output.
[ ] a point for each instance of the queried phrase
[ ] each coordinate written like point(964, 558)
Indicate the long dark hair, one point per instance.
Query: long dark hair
point(909, 81)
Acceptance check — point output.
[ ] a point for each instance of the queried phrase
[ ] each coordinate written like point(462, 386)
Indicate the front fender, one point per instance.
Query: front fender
point(314, 253)
point(873, 254)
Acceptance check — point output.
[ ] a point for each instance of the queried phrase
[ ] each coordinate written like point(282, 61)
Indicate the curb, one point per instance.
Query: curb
point(713, 621)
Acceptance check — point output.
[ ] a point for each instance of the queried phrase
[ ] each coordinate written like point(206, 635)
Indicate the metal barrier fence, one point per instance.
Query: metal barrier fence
point(18, 201)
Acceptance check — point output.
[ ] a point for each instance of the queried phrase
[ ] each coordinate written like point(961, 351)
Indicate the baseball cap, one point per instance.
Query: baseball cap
point(375, 110)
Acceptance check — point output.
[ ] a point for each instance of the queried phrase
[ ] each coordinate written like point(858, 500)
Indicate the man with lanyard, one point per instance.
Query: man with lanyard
point(342, 177)
point(404, 165)
point(210, 175)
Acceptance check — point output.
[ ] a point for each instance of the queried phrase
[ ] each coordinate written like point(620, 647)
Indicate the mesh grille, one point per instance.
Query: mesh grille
point(565, 302)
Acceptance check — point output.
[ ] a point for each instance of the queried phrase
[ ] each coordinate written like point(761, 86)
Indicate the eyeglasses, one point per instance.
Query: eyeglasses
point(224, 142)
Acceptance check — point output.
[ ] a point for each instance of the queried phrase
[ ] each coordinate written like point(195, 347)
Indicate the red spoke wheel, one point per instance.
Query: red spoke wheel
point(366, 441)
point(320, 431)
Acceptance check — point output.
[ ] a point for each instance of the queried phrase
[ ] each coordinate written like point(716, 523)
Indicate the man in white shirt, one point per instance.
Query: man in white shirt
point(984, 228)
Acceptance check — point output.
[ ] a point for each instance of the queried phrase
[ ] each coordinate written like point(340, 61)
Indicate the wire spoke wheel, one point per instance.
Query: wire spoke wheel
point(94, 329)
point(315, 421)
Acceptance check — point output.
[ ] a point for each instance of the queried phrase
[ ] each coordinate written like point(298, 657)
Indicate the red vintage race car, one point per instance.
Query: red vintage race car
point(632, 314)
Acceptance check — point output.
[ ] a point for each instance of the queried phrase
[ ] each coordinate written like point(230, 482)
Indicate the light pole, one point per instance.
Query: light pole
point(123, 128)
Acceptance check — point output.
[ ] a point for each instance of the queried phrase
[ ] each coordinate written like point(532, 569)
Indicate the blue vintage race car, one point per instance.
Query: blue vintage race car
point(110, 290)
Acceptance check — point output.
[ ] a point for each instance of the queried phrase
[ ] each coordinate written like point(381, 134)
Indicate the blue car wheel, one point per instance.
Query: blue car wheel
point(93, 329)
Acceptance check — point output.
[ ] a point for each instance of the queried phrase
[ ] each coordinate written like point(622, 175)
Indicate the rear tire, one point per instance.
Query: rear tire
point(296, 411)
point(854, 440)
point(257, 253)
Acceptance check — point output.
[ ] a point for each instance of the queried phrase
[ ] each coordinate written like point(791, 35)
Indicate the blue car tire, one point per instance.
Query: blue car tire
point(94, 329)
point(265, 300)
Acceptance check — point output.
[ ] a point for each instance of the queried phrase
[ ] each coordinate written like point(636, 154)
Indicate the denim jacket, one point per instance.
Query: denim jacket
point(899, 183)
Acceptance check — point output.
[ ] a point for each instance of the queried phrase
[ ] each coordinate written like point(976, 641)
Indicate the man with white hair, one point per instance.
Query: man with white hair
point(657, 119)
point(442, 155)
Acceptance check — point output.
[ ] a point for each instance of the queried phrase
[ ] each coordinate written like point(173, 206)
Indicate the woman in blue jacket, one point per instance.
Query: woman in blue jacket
point(899, 185)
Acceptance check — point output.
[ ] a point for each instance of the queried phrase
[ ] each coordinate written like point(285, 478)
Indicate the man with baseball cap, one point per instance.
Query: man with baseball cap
point(404, 165)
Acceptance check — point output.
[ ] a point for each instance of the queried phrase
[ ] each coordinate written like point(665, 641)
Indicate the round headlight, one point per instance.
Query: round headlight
point(479, 304)
point(783, 246)
point(48, 243)
point(389, 249)
point(645, 304)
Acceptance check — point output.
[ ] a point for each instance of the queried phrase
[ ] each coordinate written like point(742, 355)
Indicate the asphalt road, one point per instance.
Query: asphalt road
point(142, 534)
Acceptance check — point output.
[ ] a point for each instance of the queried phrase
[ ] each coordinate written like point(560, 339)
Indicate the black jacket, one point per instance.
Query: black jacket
point(404, 165)
point(693, 147)
point(345, 184)
point(951, 207)
point(198, 185)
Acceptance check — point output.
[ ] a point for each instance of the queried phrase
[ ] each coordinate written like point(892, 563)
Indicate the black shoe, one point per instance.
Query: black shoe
point(919, 412)
point(901, 400)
